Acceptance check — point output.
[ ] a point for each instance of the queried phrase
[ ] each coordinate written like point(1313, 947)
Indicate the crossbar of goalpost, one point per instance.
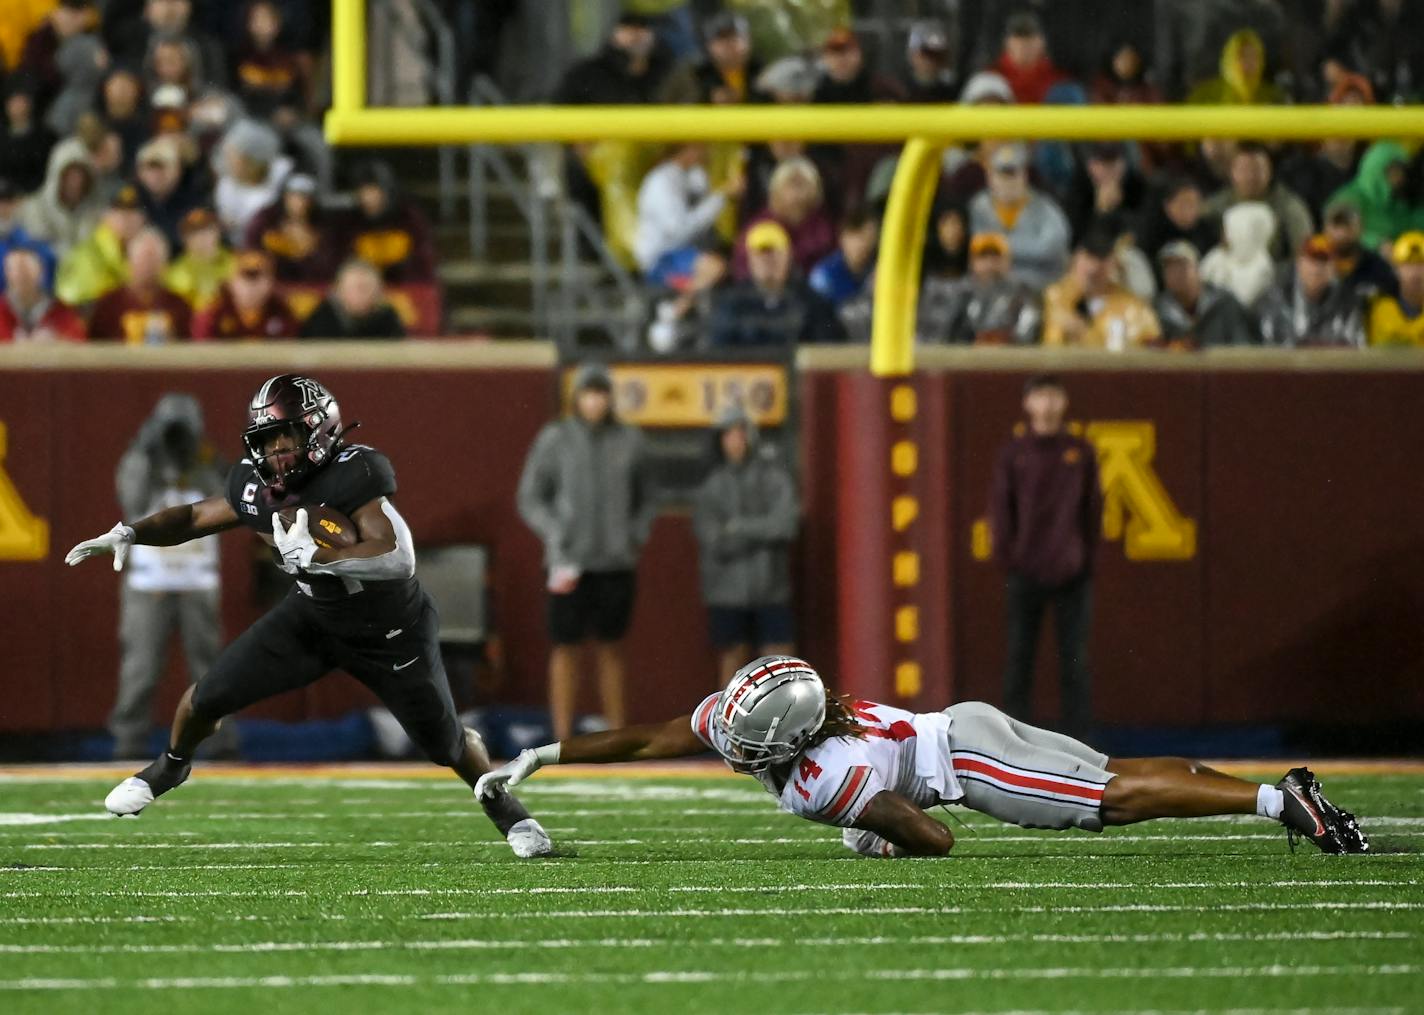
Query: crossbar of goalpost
point(925, 130)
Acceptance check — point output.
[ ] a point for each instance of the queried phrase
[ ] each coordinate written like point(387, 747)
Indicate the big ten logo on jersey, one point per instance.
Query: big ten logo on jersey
point(23, 536)
point(1137, 509)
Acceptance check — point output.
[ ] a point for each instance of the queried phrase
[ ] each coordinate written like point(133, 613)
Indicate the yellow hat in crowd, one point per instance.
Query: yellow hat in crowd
point(768, 235)
point(1409, 248)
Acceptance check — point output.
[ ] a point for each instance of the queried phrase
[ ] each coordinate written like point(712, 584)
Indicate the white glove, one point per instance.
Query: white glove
point(116, 541)
point(295, 544)
point(512, 773)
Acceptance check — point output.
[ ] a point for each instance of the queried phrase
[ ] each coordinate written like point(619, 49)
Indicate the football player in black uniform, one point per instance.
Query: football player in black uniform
point(358, 608)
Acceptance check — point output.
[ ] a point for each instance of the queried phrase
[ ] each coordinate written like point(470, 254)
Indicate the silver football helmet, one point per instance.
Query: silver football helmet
point(769, 710)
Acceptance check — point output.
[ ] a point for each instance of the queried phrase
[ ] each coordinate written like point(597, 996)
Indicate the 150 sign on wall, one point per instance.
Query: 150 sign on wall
point(1137, 508)
point(22, 535)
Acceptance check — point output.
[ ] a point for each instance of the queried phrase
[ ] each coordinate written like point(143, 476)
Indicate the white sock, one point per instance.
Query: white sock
point(1270, 802)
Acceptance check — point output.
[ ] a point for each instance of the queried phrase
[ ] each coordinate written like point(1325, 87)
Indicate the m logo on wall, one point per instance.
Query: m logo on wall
point(22, 535)
point(1137, 508)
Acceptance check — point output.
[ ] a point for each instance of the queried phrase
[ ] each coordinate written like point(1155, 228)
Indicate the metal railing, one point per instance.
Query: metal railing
point(601, 295)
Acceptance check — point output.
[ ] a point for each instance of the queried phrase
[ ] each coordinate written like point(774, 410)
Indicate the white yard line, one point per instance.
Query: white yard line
point(560, 944)
point(696, 976)
point(887, 886)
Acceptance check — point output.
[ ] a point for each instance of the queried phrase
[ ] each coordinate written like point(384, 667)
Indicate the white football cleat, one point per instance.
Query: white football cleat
point(528, 839)
point(129, 797)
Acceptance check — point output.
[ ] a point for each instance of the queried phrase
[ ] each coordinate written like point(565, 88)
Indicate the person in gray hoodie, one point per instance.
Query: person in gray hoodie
point(586, 492)
point(165, 588)
point(70, 204)
point(746, 515)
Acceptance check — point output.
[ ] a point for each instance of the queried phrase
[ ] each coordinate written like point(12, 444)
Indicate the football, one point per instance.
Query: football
point(331, 530)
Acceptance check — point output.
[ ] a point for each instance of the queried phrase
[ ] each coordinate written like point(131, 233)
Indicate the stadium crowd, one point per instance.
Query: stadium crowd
point(1109, 245)
point(163, 175)
point(163, 178)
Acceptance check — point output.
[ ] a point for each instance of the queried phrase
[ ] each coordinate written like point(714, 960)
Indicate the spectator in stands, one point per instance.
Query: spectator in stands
point(1087, 307)
point(106, 154)
point(25, 142)
point(295, 233)
point(946, 255)
point(1194, 313)
point(676, 208)
point(771, 308)
point(1243, 75)
point(790, 80)
point(132, 40)
point(355, 308)
point(930, 74)
point(64, 211)
point(124, 110)
point(1312, 307)
point(1251, 180)
point(1024, 62)
point(167, 197)
point(173, 62)
point(1045, 511)
point(1105, 189)
point(268, 77)
point(680, 315)
point(81, 61)
point(14, 235)
point(143, 311)
point(97, 264)
point(388, 231)
point(1037, 229)
point(987, 307)
point(1360, 268)
point(725, 73)
point(1177, 215)
point(1380, 191)
point(846, 78)
point(67, 20)
point(842, 274)
point(28, 313)
point(628, 70)
point(205, 264)
point(1316, 171)
point(1123, 78)
point(746, 516)
point(1399, 319)
point(247, 305)
point(587, 494)
point(250, 170)
point(1241, 263)
point(762, 162)
point(796, 202)
point(166, 590)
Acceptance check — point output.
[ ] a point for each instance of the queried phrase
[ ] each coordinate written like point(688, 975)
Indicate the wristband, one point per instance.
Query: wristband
point(548, 754)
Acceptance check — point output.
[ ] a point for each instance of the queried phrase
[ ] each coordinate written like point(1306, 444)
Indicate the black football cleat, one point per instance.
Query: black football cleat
point(1347, 829)
point(1306, 813)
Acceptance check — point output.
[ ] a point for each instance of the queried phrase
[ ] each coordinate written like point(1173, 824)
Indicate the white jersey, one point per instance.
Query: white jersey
point(834, 781)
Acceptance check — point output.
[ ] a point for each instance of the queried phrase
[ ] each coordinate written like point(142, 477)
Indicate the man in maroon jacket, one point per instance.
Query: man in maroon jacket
point(144, 311)
point(1046, 511)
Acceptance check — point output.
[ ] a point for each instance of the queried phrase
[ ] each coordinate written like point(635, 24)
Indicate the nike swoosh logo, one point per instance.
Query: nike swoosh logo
point(408, 662)
point(1320, 827)
point(393, 632)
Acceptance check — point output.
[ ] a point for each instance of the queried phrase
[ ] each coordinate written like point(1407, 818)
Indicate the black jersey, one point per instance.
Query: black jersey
point(357, 475)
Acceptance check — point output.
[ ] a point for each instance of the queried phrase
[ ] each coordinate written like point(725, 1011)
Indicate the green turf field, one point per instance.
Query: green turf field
point(359, 894)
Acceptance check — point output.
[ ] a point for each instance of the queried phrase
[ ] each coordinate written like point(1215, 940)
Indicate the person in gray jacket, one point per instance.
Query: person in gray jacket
point(165, 588)
point(585, 492)
point(746, 516)
point(1037, 230)
point(1194, 313)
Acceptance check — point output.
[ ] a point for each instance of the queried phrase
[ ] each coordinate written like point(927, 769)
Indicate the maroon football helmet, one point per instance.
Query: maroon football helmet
point(301, 407)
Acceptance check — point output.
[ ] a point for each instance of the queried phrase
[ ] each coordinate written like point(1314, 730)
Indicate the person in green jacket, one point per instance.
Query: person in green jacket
point(98, 264)
point(1243, 75)
point(1378, 190)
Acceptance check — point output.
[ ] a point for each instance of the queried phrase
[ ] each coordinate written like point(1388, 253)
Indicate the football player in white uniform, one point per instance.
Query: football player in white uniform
point(874, 770)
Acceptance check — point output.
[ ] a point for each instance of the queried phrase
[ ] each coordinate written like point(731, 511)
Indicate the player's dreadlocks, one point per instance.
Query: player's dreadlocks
point(840, 721)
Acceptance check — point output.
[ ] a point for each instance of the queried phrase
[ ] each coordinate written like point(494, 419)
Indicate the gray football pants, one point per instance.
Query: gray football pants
point(147, 621)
